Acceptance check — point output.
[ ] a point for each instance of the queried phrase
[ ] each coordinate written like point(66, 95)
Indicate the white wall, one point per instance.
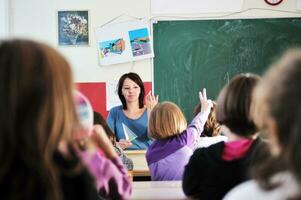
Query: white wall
point(4, 21)
point(37, 19)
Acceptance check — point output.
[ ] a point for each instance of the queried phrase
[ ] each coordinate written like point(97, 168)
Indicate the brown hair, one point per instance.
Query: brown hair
point(234, 102)
point(37, 112)
point(212, 127)
point(98, 119)
point(166, 120)
point(136, 78)
point(280, 91)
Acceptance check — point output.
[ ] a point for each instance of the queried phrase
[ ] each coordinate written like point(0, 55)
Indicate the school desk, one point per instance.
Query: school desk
point(150, 190)
point(140, 164)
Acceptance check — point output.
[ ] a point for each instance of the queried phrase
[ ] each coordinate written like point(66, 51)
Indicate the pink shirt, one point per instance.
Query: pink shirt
point(107, 171)
point(236, 149)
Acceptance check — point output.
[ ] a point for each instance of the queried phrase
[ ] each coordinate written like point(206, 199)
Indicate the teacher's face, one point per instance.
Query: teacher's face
point(130, 90)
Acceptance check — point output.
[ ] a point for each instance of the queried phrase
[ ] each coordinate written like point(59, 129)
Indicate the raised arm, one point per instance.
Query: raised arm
point(206, 103)
point(151, 101)
point(111, 176)
point(196, 127)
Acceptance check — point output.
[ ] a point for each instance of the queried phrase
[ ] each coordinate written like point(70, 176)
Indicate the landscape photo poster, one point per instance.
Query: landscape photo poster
point(123, 42)
point(73, 28)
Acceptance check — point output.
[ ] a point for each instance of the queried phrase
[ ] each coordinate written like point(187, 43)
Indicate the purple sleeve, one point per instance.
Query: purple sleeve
point(110, 176)
point(195, 128)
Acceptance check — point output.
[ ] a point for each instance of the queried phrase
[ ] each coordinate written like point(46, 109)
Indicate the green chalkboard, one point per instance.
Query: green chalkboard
point(190, 55)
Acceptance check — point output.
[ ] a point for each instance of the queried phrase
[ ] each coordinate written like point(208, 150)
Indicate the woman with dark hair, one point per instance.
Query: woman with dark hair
point(214, 170)
point(129, 121)
point(277, 112)
point(37, 123)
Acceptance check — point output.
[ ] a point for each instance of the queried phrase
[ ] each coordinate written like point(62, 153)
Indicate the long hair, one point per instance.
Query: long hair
point(136, 78)
point(234, 103)
point(98, 119)
point(279, 95)
point(212, 127)
point(37, 112)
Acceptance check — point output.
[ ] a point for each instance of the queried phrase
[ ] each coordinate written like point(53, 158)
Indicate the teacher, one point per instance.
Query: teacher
point(129, 120)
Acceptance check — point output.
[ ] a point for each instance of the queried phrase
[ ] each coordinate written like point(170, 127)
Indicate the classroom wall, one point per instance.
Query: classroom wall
point(37, 19)
point(4, 28)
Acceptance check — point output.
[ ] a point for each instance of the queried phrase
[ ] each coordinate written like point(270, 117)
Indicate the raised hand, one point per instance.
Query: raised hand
point(151, 100)
point(206, 103)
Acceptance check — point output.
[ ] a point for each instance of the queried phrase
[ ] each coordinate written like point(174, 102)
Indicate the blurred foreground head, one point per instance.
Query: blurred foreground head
point(277, 109)
point(37, 112)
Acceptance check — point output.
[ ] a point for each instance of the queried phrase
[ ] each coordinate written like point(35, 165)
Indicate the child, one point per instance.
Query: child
point(278, 113)
point(99, 155)
point(128, 163)
point(174, 142)
point(37, 122)
point(211, 133)
point(214, 170)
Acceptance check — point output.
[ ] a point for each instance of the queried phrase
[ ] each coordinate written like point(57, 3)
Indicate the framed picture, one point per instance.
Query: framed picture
point(73, 28)
point(124, 42)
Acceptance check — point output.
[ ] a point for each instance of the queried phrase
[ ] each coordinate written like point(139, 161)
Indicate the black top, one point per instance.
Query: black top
point(208, 176)
point(23, 182)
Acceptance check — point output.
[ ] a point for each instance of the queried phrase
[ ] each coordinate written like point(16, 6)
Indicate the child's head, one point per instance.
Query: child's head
point(85, 114)
point(212, 127)
point(280, 94)
point(37, 113)
point(98, 119)
point(234, 102)
point(37, 85)
point(166, 120)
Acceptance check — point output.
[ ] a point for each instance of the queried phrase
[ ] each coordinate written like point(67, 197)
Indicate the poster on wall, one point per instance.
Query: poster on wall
point(123, 42)
point(73, 28)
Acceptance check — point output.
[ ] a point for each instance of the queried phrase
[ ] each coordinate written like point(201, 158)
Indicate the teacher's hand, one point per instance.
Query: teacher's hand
point(124, 143)
point(151, 101)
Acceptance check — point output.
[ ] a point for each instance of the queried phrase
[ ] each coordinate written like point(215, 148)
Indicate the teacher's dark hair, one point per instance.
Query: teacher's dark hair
point(136, 78)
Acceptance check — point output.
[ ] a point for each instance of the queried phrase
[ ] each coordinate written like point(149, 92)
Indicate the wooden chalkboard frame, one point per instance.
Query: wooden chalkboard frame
point(190, 55)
